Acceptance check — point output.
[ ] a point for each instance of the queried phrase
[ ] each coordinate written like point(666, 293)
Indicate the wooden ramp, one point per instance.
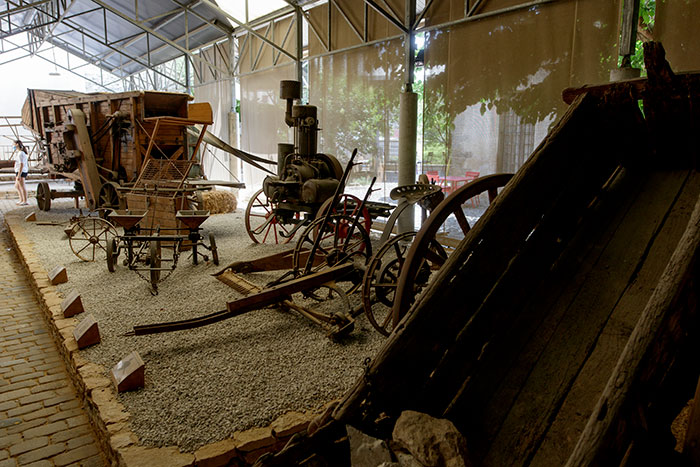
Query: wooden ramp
point(558, 331)
point(563, 330)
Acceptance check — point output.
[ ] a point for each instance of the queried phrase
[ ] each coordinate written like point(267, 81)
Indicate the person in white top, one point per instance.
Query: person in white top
point(21, 171)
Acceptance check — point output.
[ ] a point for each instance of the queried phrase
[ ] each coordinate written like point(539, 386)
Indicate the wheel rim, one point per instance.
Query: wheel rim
point(214, 251)
point(109, 196)
point(335, 247)
point(261, 222)
point(89, 238)
point(427, 253)
point(154, 256)
point(380, 281)
point(43, 196)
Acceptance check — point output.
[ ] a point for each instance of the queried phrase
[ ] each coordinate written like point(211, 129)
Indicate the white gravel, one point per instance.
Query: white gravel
point(206, 383)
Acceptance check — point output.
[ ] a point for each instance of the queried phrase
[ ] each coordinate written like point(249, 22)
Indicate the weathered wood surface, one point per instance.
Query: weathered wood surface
point(691, 446)
point(590, 381)
point(567, 161)
point(648, 352)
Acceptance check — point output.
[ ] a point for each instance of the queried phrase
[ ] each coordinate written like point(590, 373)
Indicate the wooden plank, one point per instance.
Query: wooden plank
point(642, 363)
point(580, 401)
point(577, 325)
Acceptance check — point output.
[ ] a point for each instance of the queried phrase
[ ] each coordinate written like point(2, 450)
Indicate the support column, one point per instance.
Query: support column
point(408, 124)
point(408, 119)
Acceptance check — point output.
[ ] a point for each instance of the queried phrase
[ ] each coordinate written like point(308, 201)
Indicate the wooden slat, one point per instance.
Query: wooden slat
point(641, 363)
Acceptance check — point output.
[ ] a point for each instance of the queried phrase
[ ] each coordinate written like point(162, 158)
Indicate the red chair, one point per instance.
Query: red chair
point(433, 177)
point(470, 176)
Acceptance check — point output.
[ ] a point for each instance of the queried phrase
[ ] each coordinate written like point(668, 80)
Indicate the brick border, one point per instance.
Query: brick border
point(109, 417)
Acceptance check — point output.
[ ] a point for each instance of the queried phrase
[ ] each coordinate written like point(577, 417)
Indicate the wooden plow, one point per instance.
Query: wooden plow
point(564, 327)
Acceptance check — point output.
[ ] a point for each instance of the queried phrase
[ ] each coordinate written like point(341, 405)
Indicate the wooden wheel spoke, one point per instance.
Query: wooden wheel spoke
point(434, 257)
point(462, 220)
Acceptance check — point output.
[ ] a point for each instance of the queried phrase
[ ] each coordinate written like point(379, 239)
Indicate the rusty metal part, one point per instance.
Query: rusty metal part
point(252, 302)
point(427, 254)
point(274, 262)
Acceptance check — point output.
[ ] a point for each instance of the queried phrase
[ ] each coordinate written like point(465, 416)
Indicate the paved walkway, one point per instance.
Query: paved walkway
point(42, 420)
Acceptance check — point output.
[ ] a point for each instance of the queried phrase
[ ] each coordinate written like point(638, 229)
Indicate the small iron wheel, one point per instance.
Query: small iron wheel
point(112, 254)
point(337, 246)
point(444, 230)
point(214, 251)
point(263, 224)
point(380, 279)
point(43, 196)
point(154, 262)
point(89, 238)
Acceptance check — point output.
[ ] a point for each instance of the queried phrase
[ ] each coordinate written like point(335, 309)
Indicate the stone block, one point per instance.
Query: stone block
point(72, 304)
point(138, 456)
point(288, 424)
point(87, 332)
point(253, 439)
point(216, 454)
point(58, 275)
point(31, 217)
point(129, 373)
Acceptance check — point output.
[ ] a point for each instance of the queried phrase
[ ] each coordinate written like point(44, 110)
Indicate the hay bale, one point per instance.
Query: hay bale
point(217, 202)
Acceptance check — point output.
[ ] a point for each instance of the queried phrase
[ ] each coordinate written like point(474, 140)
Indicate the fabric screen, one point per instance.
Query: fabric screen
point(262, 119)
point(676, 26)
point(493, 86)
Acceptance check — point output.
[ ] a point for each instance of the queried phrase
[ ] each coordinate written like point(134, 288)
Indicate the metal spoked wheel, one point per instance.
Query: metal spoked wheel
point(380, 280)
point(43, 196)
point(347, 205)
point(214, 251)
point(446, 227)
point(339, 243)
point(112, 254)
point(89, 238)
point(263, 223)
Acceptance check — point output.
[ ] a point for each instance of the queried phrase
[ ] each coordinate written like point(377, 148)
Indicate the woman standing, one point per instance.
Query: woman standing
point(21, 171)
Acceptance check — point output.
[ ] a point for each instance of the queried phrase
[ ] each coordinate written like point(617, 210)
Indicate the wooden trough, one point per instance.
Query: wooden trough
point(564, 329)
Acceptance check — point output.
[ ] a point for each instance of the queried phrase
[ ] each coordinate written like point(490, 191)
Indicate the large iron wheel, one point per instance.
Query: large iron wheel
point(43, 196)
point(154, 262)
point(433, 243)
point(380, 280)
point(339, 243)
point(89, 238)
point(262, 222)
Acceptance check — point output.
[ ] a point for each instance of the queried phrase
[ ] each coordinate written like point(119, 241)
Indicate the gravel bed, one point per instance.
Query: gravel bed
point(206, 383)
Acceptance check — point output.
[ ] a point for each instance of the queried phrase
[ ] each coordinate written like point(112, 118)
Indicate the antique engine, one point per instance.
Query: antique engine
point(305, 178)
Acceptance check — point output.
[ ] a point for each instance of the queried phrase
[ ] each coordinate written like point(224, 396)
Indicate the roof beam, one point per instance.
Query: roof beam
point(149, 30)
point(53, 26)
point(245, 26)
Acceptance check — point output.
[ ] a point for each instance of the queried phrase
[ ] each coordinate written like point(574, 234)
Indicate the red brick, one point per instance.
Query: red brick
point(26, 446)
point(44, 430)
point(41, 453)
point(75, 455)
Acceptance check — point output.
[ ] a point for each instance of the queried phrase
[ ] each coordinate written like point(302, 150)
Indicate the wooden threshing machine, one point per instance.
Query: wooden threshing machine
point(109, 142)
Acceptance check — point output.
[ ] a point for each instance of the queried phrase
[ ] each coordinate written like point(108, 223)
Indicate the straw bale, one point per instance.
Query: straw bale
point(220, 201)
